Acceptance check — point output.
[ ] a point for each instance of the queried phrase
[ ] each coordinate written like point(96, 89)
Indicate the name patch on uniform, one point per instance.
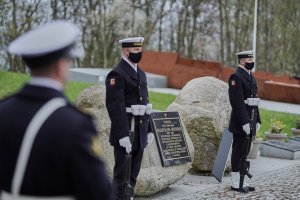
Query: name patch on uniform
point(112, 82)
point(233, 82)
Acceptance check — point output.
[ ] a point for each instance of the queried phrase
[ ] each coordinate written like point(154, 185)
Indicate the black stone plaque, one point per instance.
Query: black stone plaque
point(170, 138)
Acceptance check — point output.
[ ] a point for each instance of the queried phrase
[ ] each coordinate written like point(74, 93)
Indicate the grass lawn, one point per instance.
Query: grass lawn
point(287, 119)
point(161, 101)
point(11, 82)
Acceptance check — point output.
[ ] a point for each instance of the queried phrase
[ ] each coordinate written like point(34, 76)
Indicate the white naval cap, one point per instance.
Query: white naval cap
point(245, 54)
point(132, 42)
point(45, 39)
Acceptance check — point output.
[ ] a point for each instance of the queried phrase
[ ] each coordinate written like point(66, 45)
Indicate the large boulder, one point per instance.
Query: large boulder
point(204, 107)
point(153, 176)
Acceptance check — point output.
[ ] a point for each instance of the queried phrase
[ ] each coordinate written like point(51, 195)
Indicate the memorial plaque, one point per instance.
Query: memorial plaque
point(170, 138)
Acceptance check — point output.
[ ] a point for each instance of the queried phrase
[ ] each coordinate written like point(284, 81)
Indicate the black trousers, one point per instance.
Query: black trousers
point(119, 153)
point(237, 151)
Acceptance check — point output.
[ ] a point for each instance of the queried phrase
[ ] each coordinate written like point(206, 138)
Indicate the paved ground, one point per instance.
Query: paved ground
point(273, 179)
point(269, 105)
point(280, 106)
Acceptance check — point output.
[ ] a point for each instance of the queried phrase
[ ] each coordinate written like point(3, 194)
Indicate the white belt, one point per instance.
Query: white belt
point(252, 101)
point(140, 110)
point(7, 196)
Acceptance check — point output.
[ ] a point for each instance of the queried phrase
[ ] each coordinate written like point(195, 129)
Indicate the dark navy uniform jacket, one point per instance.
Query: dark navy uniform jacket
point(242, 86)
point(126, 87)
point(61, 162)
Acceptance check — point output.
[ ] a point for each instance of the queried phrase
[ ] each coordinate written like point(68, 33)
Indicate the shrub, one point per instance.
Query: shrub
point(277, 126)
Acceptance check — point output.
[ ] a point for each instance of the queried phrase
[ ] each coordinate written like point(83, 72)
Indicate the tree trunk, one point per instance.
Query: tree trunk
point(161, 15)
point(196, 12)
point(221, 32)
point(266, 39)
point(228, 36)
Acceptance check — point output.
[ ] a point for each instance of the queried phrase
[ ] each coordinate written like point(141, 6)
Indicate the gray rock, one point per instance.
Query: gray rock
point(153, 176)
point(92, 101)
point(204, 107)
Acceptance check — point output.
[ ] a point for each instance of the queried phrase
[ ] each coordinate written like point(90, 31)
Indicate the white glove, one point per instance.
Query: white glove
point(246, 128)
point(253, 101)
point(125, 142)
point(257, 127)
point(150, 138)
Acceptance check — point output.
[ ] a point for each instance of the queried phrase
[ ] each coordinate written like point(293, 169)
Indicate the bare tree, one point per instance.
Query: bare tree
point(21, 17)
point(200, 29)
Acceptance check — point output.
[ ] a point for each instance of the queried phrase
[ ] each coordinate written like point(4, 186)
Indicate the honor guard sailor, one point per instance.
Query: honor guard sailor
point(245, 119)
point(129, 110)
point(47, 146)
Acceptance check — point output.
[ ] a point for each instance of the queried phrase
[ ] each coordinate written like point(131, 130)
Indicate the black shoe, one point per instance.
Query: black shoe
point(250, 188)
point(243, 189)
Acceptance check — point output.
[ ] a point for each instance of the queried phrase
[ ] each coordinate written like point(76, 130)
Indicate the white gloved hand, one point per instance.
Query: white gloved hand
point(246, 128)
point(253, 101)
point(257, 127)
point(150, 138)
point(125, 142)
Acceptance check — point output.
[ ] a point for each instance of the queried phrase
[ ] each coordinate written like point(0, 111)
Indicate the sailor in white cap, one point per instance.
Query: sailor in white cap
point(245, 119)
point(129, 110)
point(132, 50)
point(48, 148)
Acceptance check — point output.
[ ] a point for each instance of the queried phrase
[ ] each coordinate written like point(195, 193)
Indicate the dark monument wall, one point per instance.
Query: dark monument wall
point(180, 70)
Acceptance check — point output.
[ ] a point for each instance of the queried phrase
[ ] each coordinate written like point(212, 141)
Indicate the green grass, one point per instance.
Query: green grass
point(287, 119)
point(73, 89)
point(161, 101)
point(11, 82)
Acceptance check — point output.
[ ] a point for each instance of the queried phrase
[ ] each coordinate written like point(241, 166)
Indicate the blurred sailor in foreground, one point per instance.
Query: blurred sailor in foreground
point(245, 120)
point(48, 148)
point(129, 109)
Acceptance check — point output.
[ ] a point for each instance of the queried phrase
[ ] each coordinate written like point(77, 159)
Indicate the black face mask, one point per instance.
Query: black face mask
point(135, 57)
point(249, 66)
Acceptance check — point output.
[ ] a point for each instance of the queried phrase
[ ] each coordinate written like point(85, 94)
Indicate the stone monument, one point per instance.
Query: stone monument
point(153, 176)
point(204, 107)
